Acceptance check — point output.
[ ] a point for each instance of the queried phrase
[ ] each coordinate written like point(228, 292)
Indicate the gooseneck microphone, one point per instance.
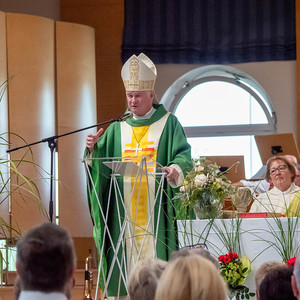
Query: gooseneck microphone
point(124, 117)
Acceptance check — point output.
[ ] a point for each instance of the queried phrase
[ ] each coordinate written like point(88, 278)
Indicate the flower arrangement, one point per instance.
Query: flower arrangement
point(235, 271)
point(205, 188)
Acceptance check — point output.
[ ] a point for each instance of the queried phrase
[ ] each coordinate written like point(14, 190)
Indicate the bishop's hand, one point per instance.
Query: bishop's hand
point(171, 173)
point(92, 139)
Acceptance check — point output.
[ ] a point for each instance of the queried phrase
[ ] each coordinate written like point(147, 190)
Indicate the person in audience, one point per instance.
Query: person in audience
point(261, 186)
point(18, 288)
point(256, 186)
point(46, 262)
point(280, 173)
point(277, 285)
point(263, 270)
point(297, 177)
point(191, 277)
point(144, 277)
point(295, 280)
point(197, 251)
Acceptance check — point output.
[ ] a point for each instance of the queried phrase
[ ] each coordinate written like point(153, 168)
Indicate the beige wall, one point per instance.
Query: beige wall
point(106, 17)
point(76, 108)
point(278, 78)
point(30, 61)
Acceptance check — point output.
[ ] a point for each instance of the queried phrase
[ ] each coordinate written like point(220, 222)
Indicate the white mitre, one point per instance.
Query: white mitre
point(139, 73)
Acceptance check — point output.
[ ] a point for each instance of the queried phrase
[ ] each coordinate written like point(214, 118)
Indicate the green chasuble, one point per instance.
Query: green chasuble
point(161, 137)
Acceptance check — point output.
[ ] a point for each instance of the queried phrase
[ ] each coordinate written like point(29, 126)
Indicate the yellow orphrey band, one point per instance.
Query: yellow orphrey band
point(139, 204)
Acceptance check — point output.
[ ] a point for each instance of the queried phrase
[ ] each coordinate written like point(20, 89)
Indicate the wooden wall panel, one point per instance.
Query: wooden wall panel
point(107, 17)
point(30, 59)
point(76, 108)
point(4, 207)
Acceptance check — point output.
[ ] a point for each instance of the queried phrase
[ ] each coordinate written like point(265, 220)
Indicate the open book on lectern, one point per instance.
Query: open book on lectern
point(125, 168)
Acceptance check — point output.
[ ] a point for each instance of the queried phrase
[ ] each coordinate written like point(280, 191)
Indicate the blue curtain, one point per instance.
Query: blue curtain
point(210, 31)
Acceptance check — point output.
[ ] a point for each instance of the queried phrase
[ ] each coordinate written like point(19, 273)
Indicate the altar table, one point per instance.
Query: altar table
point(253, 236)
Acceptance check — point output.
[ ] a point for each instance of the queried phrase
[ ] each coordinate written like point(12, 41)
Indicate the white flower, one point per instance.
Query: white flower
point(182, 188)
point(199, 169)
point(200, 179)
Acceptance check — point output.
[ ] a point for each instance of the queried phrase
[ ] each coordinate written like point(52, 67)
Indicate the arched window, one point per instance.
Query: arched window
point(221, 109)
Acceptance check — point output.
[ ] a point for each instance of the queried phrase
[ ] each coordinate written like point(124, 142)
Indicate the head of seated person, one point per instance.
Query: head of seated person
point(263, 270)
point(297, 176)
point(277, 285)
point(144, 278)
point(46, 260)
point(280, 172)
point(191, 251)
point(191, 277)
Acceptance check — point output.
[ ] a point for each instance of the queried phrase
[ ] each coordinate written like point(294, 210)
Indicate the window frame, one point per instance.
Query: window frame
point(185, 83)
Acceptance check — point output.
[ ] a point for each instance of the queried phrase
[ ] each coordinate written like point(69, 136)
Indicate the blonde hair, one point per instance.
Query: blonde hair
point(189, 278)
point(143, 279)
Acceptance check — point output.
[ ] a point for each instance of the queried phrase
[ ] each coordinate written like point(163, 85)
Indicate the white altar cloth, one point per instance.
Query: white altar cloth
point(253, 234)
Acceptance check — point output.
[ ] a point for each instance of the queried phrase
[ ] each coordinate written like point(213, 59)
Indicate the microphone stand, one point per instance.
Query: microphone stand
point(52, 143)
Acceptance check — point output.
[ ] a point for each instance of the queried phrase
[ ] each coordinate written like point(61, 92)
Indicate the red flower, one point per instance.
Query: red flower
point(221, 257)
point(233, 255)
point(291, 261)
point(227, 259)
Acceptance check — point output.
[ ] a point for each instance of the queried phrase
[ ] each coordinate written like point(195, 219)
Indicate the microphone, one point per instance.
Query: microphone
point(124, 117)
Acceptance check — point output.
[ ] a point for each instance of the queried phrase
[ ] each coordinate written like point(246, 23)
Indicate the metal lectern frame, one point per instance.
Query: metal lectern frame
point(138, 172)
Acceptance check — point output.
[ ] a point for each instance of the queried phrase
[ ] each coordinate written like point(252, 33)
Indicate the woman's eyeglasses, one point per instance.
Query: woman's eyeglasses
point(281, 168)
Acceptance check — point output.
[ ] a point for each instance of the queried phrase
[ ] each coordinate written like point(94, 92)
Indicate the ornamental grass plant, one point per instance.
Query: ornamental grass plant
point(14, 182)
point(283, 237)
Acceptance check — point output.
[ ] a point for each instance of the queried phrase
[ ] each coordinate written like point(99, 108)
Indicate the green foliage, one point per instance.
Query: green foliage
point(229, 235)
point(284, 237)
point(241, 292)
point(3, 88)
